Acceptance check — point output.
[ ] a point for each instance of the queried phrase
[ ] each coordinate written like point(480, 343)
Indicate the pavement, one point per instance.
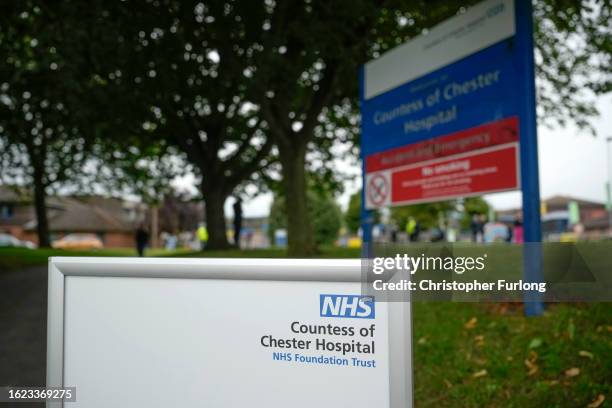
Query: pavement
point(23, 328)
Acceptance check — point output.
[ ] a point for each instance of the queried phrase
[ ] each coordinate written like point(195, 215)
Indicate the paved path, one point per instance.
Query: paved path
point(23, 328)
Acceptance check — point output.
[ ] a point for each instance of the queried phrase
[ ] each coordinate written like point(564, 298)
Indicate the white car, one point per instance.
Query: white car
point(7, 240)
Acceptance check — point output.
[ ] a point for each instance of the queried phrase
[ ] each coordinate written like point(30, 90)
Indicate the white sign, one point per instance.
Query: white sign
point(224, 333)
point(482, 25)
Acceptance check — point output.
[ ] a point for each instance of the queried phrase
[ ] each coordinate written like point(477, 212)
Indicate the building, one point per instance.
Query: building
point(111, 219)
point(15, 211)
point(589, 210)
point(594, 217)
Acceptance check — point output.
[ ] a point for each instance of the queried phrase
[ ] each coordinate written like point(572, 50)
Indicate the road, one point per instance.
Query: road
point(23, 328)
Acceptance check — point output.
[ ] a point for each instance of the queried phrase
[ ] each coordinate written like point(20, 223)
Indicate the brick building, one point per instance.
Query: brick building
point(111, 219)
point(594, 217)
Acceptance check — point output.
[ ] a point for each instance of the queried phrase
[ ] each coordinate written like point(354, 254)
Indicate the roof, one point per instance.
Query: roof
point(12, 194)
point(84, 213)
point(562, 201)
point(93, 214)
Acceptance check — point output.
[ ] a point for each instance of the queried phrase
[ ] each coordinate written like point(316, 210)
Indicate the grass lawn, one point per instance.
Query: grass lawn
point(13, 258)
point(473, 355)
point(469, 354)
point(325, 252)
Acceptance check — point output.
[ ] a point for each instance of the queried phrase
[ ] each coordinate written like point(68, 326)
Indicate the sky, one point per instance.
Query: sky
point(572, 162)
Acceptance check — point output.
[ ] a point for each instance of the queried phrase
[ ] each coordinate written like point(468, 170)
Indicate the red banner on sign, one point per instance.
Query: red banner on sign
point(491, 134)
point(483, 171)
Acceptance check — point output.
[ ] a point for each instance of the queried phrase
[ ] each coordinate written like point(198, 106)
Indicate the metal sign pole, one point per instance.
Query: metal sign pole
point(366, 215)
point(532, 254)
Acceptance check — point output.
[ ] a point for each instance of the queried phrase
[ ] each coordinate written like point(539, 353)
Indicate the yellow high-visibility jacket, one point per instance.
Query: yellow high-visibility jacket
point(202, 234)
point(411, 226)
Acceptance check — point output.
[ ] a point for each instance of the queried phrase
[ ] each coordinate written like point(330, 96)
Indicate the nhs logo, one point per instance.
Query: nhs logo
point(356, 306)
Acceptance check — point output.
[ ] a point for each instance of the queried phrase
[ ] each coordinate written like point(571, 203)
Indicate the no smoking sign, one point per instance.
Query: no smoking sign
point(378, 189)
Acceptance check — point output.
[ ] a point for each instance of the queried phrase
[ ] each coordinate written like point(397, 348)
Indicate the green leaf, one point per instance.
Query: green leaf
point(535, 342)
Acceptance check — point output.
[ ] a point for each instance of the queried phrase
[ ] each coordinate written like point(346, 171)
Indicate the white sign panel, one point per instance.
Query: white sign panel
point(224, 333)
point(483, 24)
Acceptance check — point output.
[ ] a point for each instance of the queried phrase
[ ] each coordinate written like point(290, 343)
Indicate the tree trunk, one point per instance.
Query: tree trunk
point(215, 219)
point(299, 225)
point(40, 205)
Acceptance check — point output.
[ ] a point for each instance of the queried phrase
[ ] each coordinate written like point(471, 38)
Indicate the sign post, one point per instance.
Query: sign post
point(452, 114)
point(532, 224)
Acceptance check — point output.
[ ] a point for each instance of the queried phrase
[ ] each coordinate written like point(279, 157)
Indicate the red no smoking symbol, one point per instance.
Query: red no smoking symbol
point(378, 189)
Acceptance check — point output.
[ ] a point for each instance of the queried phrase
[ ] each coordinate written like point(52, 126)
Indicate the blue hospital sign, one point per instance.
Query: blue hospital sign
point(452, 114)
point(443, 115)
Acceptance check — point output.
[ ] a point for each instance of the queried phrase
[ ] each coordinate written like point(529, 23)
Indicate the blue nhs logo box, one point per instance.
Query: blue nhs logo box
point(356, 306)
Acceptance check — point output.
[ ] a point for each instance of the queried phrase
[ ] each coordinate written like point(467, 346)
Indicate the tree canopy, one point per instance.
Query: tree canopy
point(42, 101)
point(177, 78)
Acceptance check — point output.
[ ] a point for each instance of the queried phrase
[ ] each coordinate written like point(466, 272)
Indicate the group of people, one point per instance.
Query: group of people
point(141, 236)
point(481, 230)
point(391, 232)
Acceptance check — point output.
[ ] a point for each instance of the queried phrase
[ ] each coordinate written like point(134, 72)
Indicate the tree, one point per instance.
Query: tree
point(177, 77)
point(306, 48)
point(312, 51)
point(352, 217)
point(573, 59)
point(471, 206)
point(327, 218)
point(325, 213)
point(178, 212)
point(428, 214)
point(41, 140)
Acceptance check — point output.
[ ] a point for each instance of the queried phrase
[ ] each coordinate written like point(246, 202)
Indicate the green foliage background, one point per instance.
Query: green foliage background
point(324, 212)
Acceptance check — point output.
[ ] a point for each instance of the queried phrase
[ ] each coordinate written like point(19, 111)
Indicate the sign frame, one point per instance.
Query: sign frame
point(291, 270)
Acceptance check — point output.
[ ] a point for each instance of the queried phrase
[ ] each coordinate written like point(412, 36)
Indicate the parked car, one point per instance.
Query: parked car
point(78, 241)
point(7, 240)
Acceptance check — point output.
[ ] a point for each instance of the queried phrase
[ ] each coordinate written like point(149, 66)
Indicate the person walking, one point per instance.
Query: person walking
point(142, 239)
point(475, 227)
point(482, 220)
point(237, 221)
point(393, 234)
point(202, 234)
